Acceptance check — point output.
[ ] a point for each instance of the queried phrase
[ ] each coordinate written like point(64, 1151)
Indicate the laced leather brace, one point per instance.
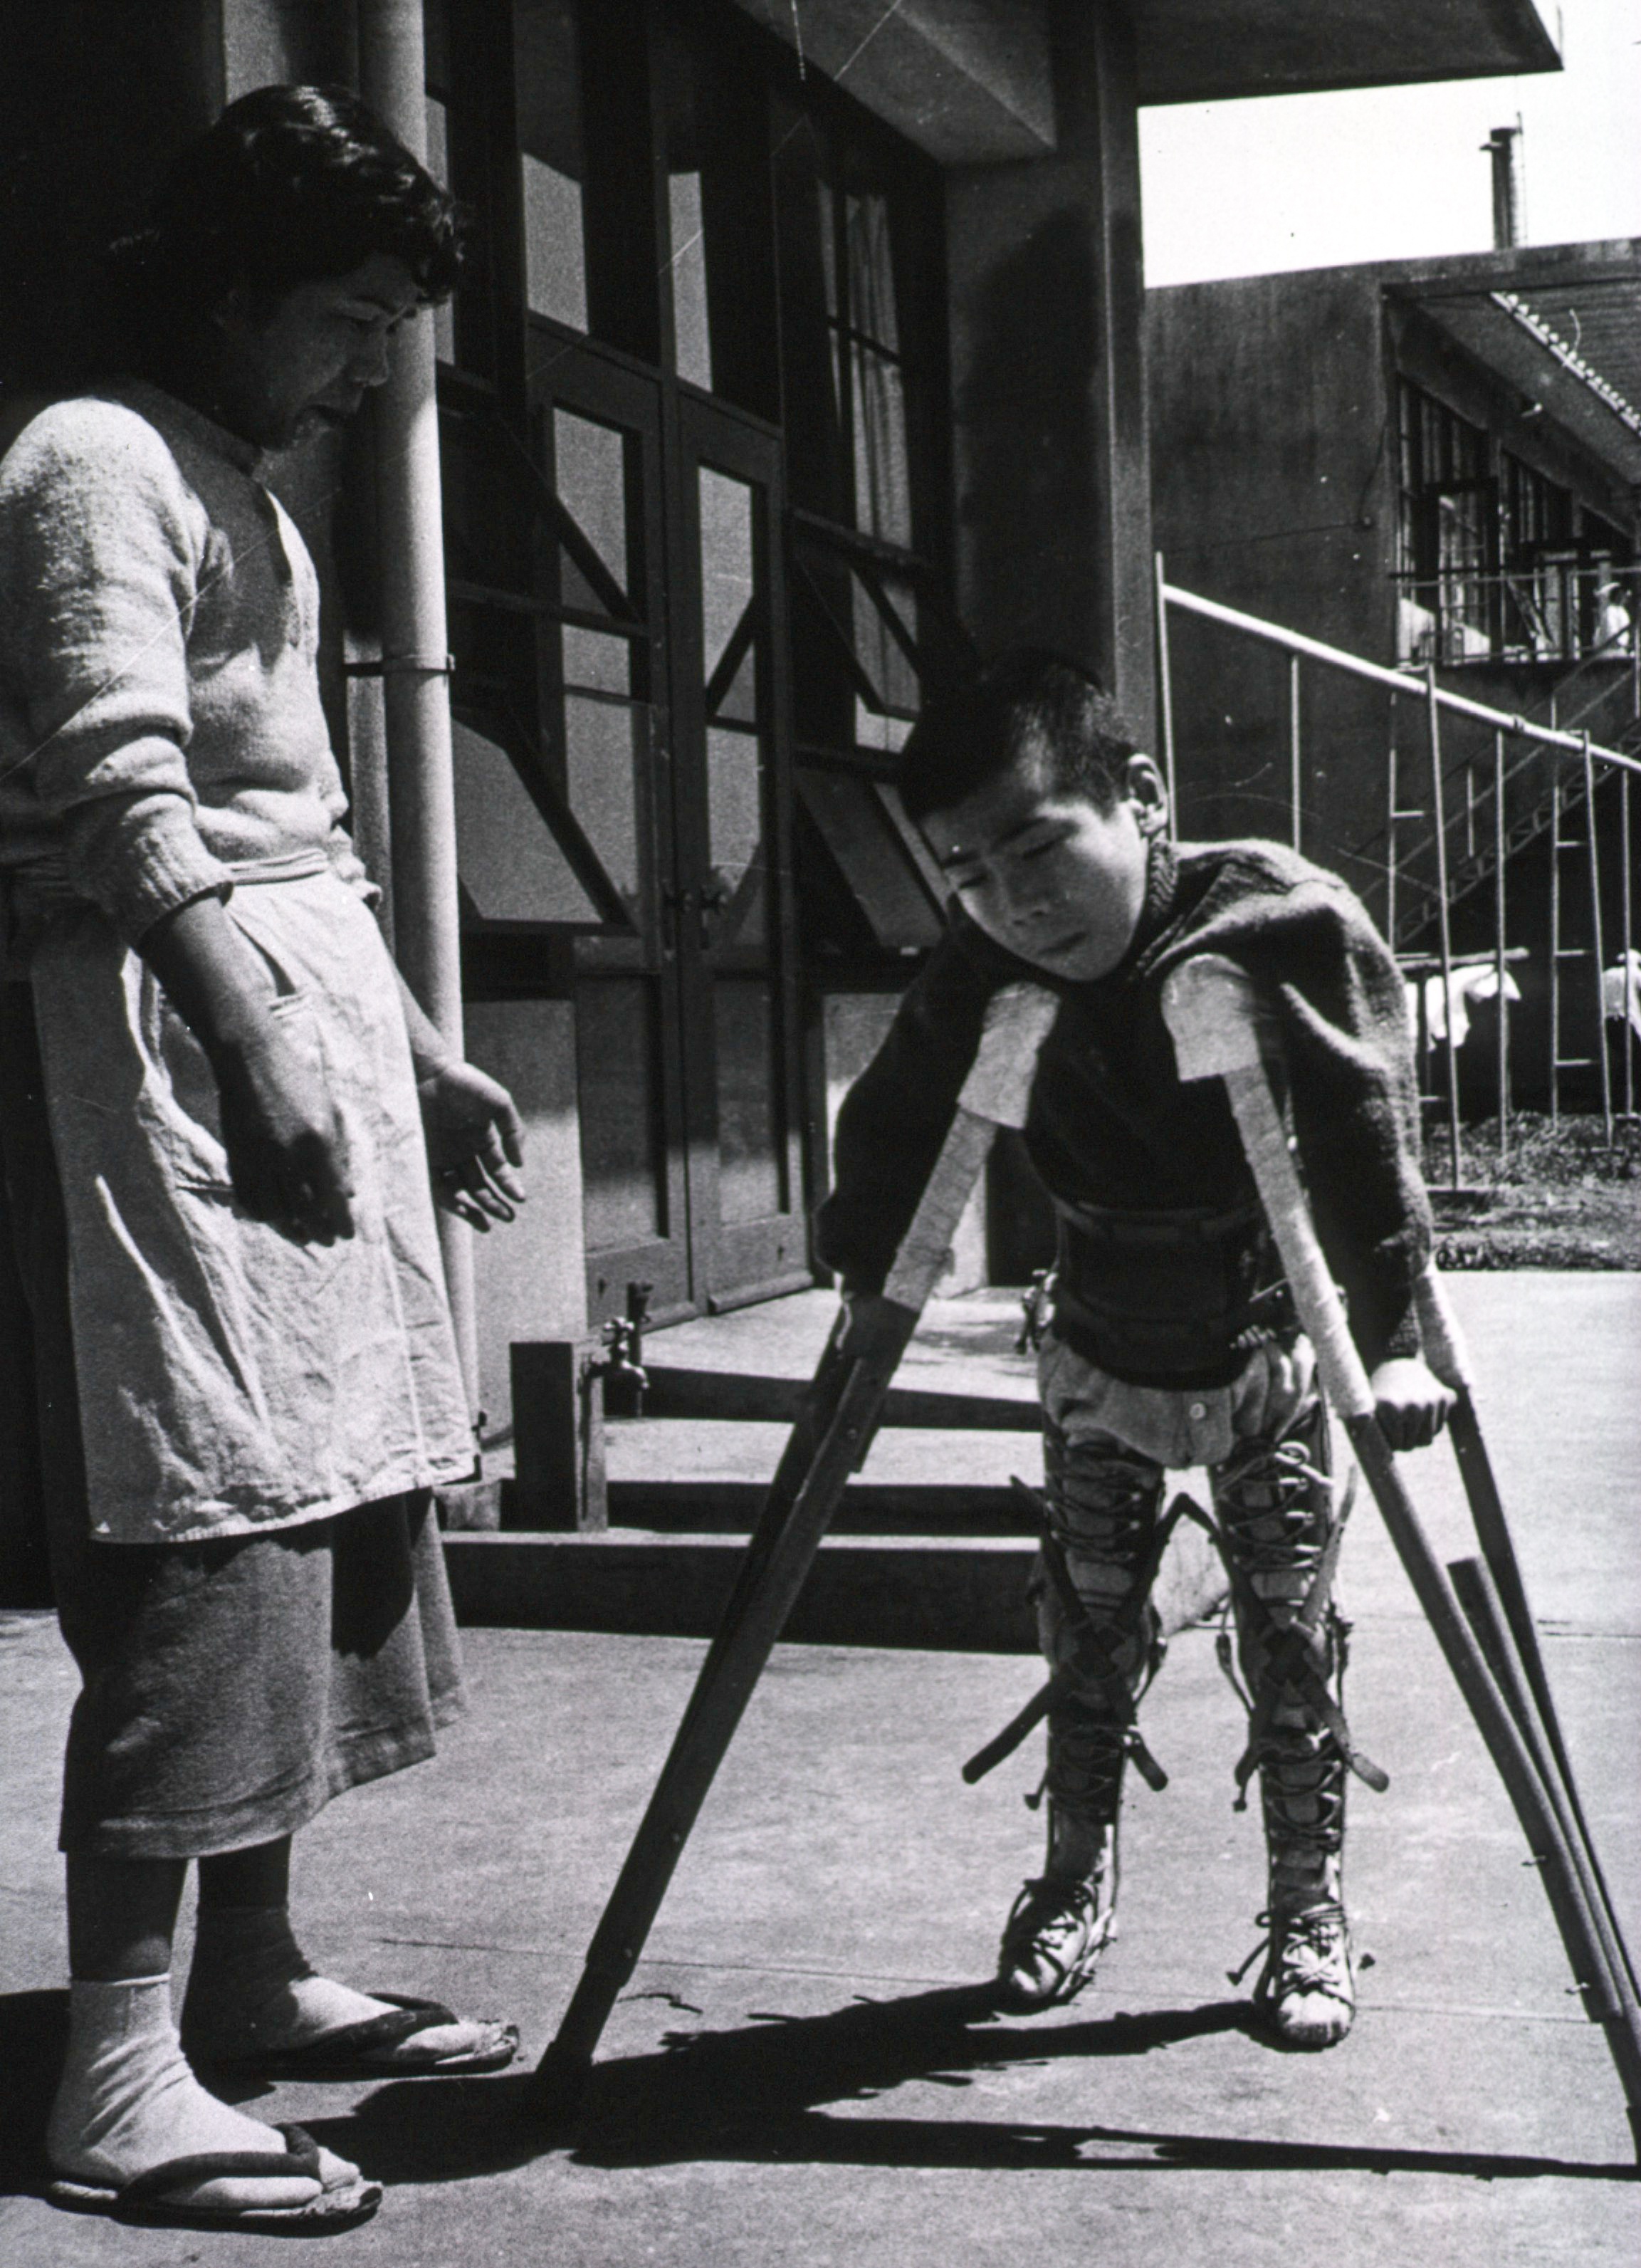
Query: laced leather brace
point(1100, 1740)
point(1304, 1801)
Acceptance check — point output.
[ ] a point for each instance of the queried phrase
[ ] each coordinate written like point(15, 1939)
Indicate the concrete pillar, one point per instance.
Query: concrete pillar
point(1052, 468)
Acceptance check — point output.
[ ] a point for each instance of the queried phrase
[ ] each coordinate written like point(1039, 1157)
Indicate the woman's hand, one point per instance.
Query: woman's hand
point(475, 1143)
point(287, 1155)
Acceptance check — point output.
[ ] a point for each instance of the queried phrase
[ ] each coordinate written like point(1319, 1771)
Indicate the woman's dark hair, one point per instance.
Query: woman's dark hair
point(1030, 708)
point(291, 185)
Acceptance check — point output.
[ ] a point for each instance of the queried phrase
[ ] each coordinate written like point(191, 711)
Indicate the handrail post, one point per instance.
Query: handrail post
point(1593, 845)
point(1500, 928)
point(1294, 749)
point(1444, 920)
point(1555, 942)
point(1627, 916)
point(1392, 840)
point(1165, 696)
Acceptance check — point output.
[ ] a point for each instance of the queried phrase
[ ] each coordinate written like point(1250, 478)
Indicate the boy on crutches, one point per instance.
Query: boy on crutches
point(1173, 1342)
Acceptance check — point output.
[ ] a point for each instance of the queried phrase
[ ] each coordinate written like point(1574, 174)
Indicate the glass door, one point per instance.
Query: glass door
point(662, 693)
point(734, 900)
point(603, 663)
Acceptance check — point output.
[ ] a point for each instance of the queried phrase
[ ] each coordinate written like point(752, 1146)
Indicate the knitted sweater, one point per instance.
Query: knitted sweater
point(160, 724)
point(1112, 1125)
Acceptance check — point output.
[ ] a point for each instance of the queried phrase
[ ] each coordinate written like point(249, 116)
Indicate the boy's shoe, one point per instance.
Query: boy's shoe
point(1052, 1941)
point(1307, 1987)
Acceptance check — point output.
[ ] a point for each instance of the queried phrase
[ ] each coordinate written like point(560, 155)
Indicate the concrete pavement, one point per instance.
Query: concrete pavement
point(803, 2071)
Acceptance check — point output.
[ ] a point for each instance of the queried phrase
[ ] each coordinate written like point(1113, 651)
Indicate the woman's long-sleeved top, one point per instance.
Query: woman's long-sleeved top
point(160, 724)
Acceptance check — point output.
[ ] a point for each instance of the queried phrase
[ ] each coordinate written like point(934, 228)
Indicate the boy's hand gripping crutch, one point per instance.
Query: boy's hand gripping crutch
point(842, 1411)
point(1213, 1015)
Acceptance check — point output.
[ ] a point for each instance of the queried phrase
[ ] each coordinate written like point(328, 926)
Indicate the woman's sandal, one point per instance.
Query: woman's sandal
point(375, 2047)
point(145, 2199)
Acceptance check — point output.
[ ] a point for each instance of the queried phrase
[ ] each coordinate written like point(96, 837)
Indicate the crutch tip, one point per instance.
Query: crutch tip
point(558, 2087)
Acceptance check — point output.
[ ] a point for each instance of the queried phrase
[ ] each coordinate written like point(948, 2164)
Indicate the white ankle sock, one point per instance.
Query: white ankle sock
point(127, 2101)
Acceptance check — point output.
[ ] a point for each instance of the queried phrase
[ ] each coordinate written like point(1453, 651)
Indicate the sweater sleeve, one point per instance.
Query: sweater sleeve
point(100, 548)
point(1342, 1009)
point(896, 1116)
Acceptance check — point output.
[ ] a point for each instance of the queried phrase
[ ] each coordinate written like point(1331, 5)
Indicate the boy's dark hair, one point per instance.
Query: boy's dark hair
point(1029, 708)
point(292, 185)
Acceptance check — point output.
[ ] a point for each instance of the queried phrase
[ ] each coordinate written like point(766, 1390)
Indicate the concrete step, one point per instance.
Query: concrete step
point(947, 1508)
point(967, 1595)
point(677, 1392)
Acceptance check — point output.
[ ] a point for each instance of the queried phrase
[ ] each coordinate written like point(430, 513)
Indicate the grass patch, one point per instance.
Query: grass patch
point(1560, 1199)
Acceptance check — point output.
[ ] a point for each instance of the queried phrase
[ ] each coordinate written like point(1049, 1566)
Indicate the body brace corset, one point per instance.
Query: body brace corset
point(1168, 1299)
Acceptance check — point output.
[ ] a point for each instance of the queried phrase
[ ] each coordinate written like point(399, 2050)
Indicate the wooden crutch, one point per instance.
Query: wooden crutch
point(844, 1406)
point(1449, 1357)
point(1214, 1015)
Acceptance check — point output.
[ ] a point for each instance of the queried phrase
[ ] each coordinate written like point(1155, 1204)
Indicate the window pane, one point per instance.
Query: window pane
point(512, 867)
point(619, 1119)
point(601, 747)
point(737, 703)
point(734, 805)
point(872, 860)
point(872, 271)
point(692, 335)
point(726, 560)
point(883, 505)
point(826, 216)
point(548, 68)
point(596, 663)
point(749, 1162)
point(879, 650)
point(590, 463)
point(555, 275)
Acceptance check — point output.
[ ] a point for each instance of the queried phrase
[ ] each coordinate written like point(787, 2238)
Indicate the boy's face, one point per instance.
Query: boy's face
point(1055, 880)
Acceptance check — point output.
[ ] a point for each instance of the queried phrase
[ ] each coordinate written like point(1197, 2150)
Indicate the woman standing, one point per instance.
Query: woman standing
point(218, 1160)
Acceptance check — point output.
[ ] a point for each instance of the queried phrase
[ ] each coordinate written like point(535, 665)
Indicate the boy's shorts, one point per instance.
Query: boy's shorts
point(1179, 1426)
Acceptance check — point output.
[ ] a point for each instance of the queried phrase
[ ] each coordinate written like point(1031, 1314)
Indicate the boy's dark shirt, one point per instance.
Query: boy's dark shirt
point(1112, 1125)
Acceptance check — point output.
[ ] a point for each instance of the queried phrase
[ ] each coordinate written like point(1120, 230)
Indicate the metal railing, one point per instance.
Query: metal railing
point(1517, 743)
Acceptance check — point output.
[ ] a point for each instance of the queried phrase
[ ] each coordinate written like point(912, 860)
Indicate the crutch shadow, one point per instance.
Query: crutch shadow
point(766, 2092)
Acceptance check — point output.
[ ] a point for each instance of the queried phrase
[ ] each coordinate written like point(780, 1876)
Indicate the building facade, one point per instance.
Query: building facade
point(799, 351)
point(1429, 464)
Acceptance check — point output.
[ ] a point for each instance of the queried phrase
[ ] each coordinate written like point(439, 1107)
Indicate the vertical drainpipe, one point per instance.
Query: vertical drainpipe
point(415, 634)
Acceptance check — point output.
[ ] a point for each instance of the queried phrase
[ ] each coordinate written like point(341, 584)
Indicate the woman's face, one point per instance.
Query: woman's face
point(301, 366)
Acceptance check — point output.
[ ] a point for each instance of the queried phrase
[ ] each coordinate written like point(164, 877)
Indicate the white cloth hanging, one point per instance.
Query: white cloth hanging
point(1621, 991)
point(1464, 990)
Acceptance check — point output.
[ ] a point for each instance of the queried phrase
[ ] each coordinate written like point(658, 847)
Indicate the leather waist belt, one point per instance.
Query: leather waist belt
point(1161, 1298)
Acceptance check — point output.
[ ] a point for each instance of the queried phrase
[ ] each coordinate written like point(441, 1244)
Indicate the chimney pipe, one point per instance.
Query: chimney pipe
point(1503, 146)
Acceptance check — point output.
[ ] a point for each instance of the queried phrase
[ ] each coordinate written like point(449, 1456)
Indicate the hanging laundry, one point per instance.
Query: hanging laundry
point(1621, 991)
point(1466, 989)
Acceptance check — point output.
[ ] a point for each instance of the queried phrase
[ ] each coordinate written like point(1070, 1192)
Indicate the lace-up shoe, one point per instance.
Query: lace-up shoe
point(1307, 1987)
point(1052, 1941)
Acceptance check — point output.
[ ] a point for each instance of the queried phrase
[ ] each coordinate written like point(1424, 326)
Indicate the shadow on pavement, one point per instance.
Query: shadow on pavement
point(753, 2094)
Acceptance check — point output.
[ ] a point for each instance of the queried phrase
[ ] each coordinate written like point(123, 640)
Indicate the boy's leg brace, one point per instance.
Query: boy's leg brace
point(1274, 1500)
point(1105, 1500)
